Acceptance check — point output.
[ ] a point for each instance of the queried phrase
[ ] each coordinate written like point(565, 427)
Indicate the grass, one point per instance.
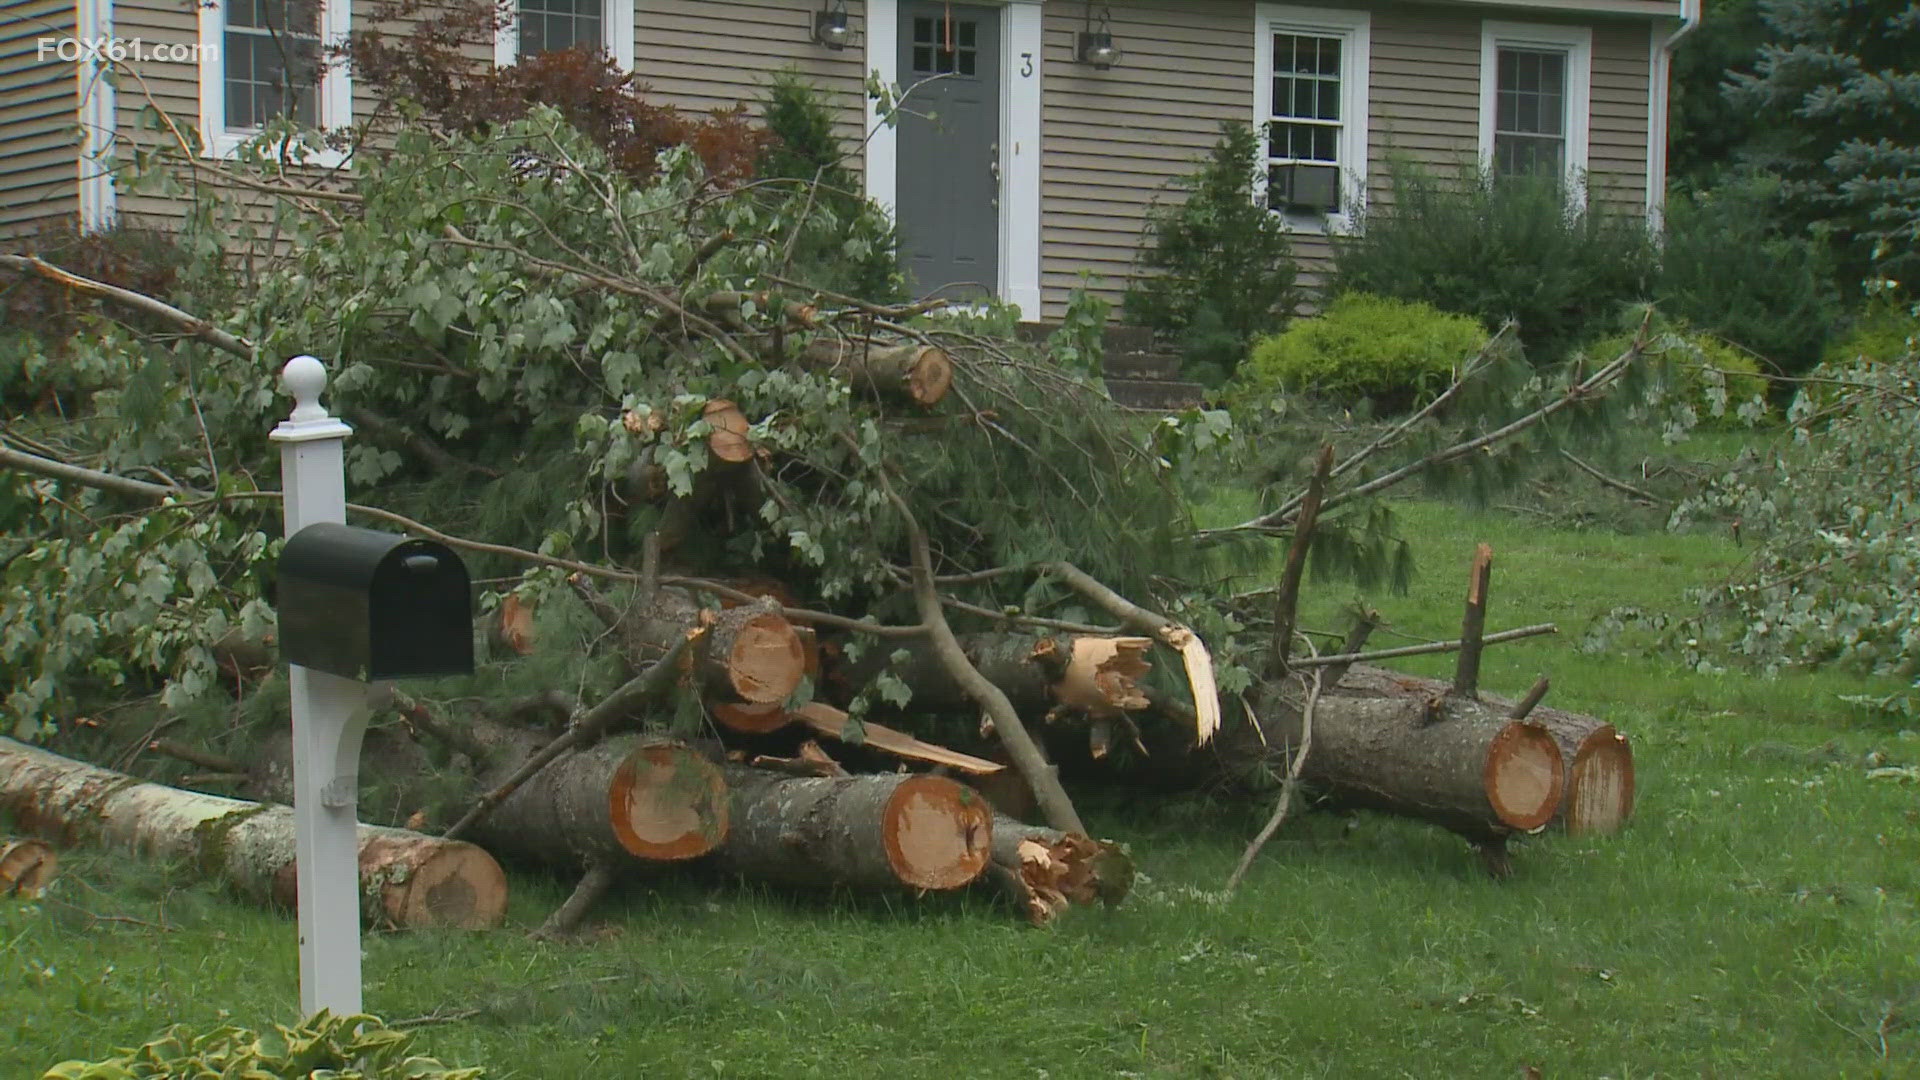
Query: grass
point(1760, 916)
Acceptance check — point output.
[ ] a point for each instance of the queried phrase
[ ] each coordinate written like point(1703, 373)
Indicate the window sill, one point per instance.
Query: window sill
point(225, 146)
point(1316, 224)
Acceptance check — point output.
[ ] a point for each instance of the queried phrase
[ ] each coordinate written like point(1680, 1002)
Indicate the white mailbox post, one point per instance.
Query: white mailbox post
point(329, 719)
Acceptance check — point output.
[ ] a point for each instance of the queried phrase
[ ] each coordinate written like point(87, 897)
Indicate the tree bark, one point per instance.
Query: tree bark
point(626, 798)
point(26, 866)
point(892, 831)
point(903, 371)
point(407, 880)
point(1597, 795)
point(1406, 746)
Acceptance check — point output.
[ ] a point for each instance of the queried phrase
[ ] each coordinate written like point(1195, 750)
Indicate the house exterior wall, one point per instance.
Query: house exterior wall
point(39, 103)
point(1112, 140)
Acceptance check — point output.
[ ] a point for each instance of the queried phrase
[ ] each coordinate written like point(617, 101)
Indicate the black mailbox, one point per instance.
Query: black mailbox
point(371, 605)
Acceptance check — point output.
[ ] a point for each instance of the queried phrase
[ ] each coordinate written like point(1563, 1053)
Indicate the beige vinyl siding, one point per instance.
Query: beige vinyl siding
point(713, 55)
point(39, 120)
point(1617, 140)
point(1110, 140)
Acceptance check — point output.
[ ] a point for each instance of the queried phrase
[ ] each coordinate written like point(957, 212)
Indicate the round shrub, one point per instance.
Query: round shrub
point(1696, 357)
point(1363, 346)
point(1885, 332)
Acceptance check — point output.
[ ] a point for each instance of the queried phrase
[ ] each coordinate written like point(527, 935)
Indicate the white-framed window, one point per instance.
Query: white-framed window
point(1535, 99)
point(545, 25)
point(266, 58)
point(1310, 106)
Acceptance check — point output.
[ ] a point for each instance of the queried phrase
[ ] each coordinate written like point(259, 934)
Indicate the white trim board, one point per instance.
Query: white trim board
point(616, 26)
point(336, 82)
point(98, 104)
point(1355, 28)
point(1020, 97)
point(1577, 43)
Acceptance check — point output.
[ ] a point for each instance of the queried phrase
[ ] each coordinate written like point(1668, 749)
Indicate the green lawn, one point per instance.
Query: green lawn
point(1760, 916)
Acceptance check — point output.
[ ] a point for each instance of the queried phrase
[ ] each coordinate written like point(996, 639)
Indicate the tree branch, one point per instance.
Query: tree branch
point(33, 266)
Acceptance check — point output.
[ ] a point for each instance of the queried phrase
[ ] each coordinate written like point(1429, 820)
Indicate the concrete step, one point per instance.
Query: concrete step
point(1159, 395)
point(1117, 338)
point(1136, 364)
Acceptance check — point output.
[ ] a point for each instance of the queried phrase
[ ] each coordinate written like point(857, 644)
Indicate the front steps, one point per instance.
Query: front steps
point(1138, 372)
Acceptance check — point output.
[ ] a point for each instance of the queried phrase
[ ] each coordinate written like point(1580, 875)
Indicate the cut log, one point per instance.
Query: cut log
point(1597, 794)
point(908, 371)
point(1091, 673)
point(26, 866)
point(866, 832)
point(1599, 771)
point(749, 654)
point(759, 718)
point(1408, 747)
point(626, 798)
point(730, 440)
point(1045, 872)
point(407, 880)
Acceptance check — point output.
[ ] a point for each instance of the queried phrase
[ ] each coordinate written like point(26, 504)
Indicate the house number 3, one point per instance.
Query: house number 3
point(1027, 71)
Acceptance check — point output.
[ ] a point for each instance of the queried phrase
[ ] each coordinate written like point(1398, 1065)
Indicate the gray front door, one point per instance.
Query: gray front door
point(948, 194)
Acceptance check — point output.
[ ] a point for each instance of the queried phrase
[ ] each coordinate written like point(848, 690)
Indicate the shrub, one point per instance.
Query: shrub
point(1364, 346)
point(1498, 250)
point(853, 251)
point(1884, 331)
point(1713, 376)
point(325, 1045)
point(1726, 267)
point(1215, 269)
point(430, 63)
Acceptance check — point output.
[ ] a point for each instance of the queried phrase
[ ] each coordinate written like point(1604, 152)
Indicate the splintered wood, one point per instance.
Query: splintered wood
point(832, 722)
point(1102, 674)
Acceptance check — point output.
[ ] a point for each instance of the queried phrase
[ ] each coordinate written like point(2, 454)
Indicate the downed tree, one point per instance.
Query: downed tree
point(407, 880)
point(888, 831)
point(26, 866)
point(748, 654)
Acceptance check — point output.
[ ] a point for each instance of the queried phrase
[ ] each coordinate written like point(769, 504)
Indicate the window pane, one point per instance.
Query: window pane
point(1303, 98)
point(1329, 56)
point(966, 29)
point(922, 31)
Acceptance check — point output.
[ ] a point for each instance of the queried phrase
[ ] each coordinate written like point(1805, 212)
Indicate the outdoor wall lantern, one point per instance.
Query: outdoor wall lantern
point(1096, 46)
point(830, 25)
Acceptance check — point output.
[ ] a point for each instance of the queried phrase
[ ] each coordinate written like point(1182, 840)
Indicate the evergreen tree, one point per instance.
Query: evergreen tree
point(1836, 99)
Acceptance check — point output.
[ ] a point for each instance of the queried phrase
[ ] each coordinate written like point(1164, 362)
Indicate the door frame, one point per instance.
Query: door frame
point(1021, 63)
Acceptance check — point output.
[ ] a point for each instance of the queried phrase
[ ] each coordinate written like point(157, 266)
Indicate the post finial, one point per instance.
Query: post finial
point(304, 378)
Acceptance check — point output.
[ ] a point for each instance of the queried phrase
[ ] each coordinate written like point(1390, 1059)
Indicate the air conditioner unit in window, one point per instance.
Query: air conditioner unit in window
point(1313, 188)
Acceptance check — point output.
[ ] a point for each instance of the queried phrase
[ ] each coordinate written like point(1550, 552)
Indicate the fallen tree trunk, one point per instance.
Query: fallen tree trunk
point(407, 880)
point(867, 832)
point(1598, 792)
point(26, 866)
point(1401, 747)
point(626, 798)
point(903, 371)
point(1095, 673)
point(1045, 872)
